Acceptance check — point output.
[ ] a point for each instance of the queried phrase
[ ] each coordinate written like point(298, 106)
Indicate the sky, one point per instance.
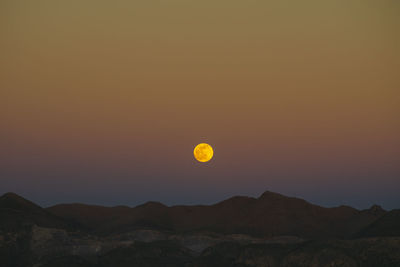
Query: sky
point(103, 102)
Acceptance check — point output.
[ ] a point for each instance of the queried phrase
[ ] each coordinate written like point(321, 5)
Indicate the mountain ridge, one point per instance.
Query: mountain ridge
point(17, 212)
point(271, 214)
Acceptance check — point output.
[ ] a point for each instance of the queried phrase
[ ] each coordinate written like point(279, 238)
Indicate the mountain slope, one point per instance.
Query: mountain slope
point(17, 212)
point(269, 215)
point(387, 225)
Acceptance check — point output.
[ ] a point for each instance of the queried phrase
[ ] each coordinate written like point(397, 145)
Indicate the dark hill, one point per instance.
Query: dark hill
point(17, 212)
point(269, 215)
point(387, 225)
point(14, 202)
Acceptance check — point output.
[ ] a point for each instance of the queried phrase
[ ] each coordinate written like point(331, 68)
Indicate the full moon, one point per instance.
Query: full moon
point(203, 152)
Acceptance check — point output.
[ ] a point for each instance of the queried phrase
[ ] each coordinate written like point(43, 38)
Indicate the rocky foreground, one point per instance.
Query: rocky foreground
point(38, 246)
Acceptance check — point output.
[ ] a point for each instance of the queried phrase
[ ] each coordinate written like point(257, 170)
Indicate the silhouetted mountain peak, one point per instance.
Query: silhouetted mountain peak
point(269, 194)
point(17, 212)
point(152, 205)
point(376, 209)
point(386, 225)
point(16, 202)
point(9, 195)
point(12, 197)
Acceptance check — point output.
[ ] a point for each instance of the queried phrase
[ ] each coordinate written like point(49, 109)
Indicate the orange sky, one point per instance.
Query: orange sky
point(299, 98)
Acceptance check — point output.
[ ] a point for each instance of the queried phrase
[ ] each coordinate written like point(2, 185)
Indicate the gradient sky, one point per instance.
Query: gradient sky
point(102, 102)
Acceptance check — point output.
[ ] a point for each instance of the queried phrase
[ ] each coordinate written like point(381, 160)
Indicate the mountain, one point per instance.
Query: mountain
point(269, 215)
point(271, 230)
point(17, 212)
point(14, 202)
point(386, 225)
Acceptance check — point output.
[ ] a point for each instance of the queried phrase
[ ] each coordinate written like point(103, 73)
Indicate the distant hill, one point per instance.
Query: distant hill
point(17, 212)
point(269, 215)
point(387, 225)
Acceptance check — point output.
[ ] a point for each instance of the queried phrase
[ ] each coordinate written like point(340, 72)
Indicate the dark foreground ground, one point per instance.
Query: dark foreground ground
point(48, 248)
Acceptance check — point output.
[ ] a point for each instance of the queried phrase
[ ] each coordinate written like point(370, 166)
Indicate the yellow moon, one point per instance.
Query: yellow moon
point(203, 152)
